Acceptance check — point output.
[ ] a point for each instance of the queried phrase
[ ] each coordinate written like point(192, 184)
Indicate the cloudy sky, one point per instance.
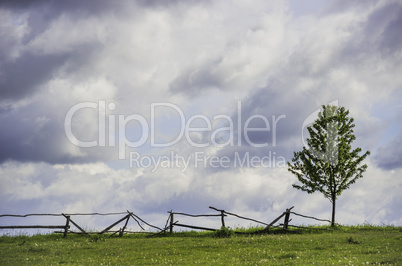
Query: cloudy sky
point(152, 106)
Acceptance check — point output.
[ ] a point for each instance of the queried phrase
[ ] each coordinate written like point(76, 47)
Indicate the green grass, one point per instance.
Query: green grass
point(342, 246)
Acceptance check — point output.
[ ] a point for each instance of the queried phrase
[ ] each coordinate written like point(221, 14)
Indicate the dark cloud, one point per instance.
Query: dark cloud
point(197, 79)
point(23, 144)
point(35, 133)
point(284, 114)
point(19, 77)
point(284, 110)
point(389, 157)
point(92, 6)
point(22, 76)
point(391, 40)
point(340, 6)
point(22, 4)
point(164, 3)
point(29, 73)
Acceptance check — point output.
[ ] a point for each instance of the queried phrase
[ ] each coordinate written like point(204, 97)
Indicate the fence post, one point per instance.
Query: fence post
point(171, 222)
point(286, 222)
point(67, 225)
point(222, 219)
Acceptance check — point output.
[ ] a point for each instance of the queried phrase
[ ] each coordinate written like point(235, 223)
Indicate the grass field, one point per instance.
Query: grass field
point(342, 246)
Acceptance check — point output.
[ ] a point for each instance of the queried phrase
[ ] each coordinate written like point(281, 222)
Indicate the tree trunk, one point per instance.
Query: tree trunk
point(333, 211)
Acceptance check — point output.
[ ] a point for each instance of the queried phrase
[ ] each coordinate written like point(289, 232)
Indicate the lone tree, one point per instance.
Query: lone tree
point(328, 164)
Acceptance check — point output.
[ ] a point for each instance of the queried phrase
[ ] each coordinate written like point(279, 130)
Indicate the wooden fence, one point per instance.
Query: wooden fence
point(222, 215)
point(69, 222)
point(170, 223)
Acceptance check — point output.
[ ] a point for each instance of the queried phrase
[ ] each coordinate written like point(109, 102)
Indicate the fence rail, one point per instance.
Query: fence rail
point(61, 214)
point(33, 227)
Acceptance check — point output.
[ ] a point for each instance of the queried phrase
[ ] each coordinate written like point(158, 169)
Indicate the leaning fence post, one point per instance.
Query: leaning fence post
point(171, 223)
point(67, 225)
point(124, 227)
